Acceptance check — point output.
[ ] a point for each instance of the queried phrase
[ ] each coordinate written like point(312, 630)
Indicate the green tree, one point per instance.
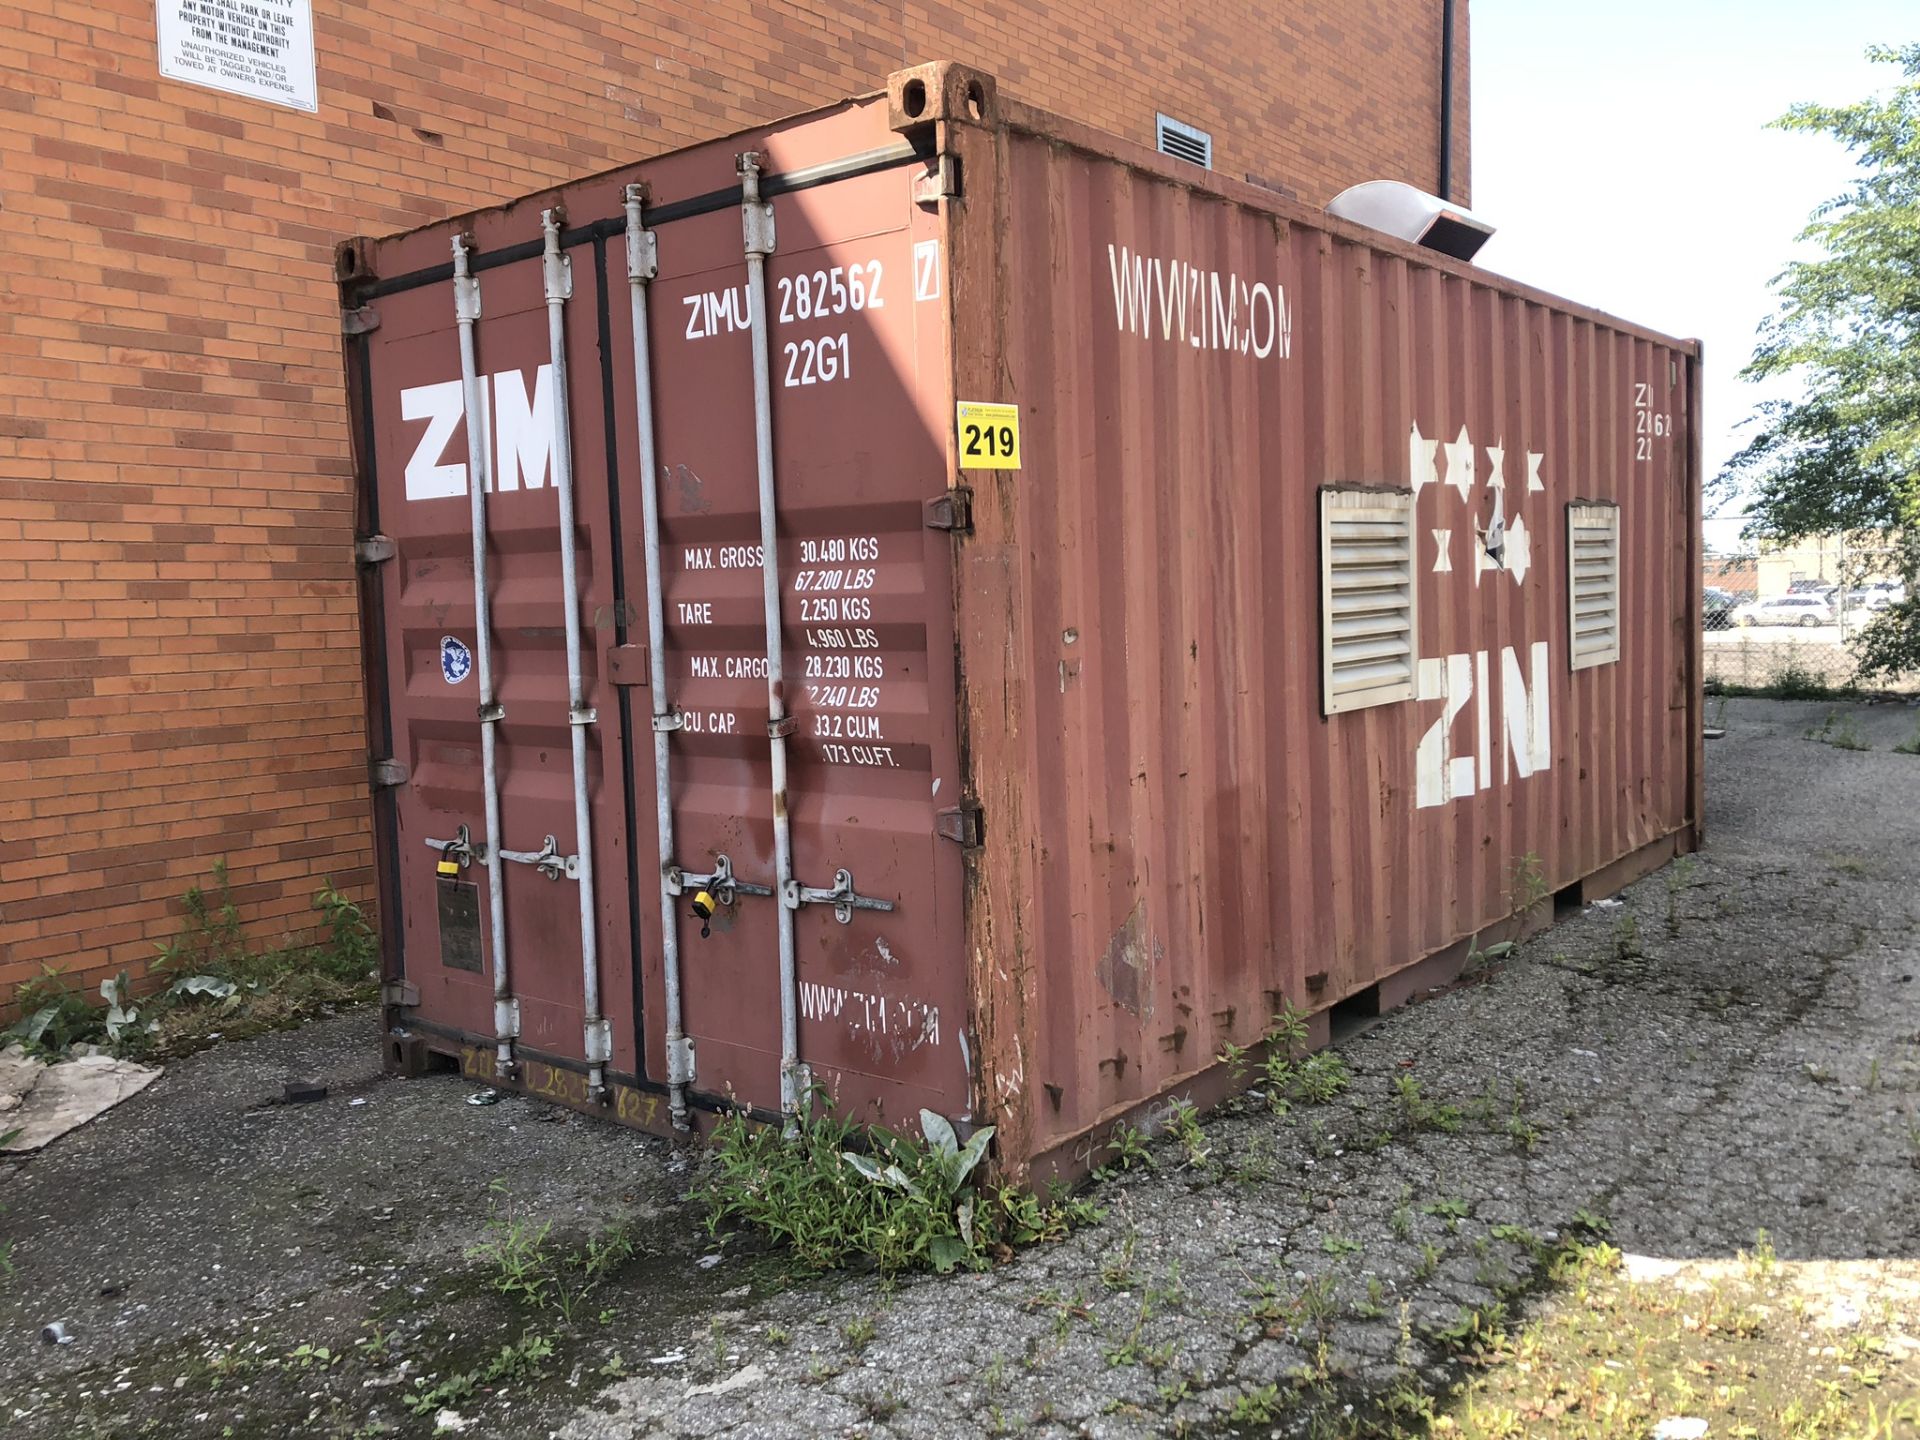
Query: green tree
point(1845, 457)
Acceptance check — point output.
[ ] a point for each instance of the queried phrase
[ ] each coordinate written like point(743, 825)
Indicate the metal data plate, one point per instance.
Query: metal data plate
point(459, 925)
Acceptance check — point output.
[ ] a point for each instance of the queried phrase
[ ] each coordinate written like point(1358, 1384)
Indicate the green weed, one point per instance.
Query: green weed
point(310, 1357)
point(525, 1267)
point(1130, 1146)
point(1375, 1305)
point(523, 1359)
point(1529, 885)
point(1313, 1081)
point(1417, 1112)
point(1319, 1078)
point(1262, 1406)
point(214, 982)
point(1842, 732)
point(1117, 1273)
point(377, 1348)
point(54, 1017)
point(837, 1190)
point(1183, 1121)
point(1679, 879)
point(1591, 1221)
point(1626, 938)
point(1475, 1329)
point(1791, 680)
point(427, 1400)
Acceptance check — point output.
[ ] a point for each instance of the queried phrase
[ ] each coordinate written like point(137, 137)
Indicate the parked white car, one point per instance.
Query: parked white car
point(1786, 610)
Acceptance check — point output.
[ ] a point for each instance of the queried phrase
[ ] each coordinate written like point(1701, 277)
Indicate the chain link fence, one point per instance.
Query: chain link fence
point(1788, 621)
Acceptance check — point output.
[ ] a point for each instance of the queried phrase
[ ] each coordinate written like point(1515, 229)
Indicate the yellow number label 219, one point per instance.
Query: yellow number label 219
point(989, 435)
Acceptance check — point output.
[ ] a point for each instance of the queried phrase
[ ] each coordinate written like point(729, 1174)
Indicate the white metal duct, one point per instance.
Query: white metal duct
point(1408, 213)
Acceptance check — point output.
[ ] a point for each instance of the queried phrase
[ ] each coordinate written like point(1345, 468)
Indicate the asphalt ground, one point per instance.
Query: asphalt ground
point(1734, 1048)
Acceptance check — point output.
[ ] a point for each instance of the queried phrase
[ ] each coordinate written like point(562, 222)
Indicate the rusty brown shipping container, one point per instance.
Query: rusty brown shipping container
point(1181, 604)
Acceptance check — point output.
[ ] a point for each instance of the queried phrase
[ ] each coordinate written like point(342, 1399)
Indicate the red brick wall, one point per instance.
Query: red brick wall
point(179, 676)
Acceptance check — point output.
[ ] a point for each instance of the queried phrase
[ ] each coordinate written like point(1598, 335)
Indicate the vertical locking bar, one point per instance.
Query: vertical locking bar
point(466, 302)
point(557, 272)
point(643, 263)
point(757, 225)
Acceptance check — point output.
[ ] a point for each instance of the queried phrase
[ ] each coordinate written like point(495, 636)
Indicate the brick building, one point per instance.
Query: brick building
point(179, 674)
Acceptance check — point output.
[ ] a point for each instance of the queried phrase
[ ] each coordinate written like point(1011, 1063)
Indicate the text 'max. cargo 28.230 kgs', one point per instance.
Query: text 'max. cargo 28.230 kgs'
point(929, 602)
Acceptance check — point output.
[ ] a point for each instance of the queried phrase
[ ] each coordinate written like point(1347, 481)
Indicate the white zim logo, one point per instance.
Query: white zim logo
point(1445, 772)
point(520, 427)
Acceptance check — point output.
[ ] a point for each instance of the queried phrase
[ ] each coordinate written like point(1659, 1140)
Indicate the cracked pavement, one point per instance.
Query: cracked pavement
point(1735, 1046)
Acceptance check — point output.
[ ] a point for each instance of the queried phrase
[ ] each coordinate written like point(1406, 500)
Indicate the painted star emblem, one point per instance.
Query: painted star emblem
point(1460, 463)
point(1519, 551)
point(1421, 454)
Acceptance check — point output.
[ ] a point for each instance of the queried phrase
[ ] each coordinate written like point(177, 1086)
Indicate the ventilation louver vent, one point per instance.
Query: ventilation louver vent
point(1593, 584)
point(1366, 598)
point(1182, 141)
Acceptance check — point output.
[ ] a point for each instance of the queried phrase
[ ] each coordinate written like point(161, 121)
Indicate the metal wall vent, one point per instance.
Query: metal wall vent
point(1182, 141)
point(1367, 596)
point(1593, 584)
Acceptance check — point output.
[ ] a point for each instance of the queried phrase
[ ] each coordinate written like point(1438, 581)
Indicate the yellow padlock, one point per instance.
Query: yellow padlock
point(703, 908)
point(448, 867)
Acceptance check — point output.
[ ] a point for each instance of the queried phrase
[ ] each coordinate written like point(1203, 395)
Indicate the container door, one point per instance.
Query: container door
point(420, 473)
point(860, 411)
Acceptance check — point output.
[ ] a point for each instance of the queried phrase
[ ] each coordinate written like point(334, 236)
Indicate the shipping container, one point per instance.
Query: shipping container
point(926, 601)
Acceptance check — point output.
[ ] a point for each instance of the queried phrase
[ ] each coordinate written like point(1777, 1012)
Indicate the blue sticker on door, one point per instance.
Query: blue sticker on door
point(455, 660)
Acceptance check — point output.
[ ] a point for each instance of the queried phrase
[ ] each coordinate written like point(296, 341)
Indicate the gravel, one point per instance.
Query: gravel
point(1734, 1047)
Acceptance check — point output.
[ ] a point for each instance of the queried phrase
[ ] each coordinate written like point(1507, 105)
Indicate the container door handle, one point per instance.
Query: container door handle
point(842, 897)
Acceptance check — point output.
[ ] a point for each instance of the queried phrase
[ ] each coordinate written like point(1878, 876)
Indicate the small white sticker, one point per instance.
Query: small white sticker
point(456, 660)
point(926, 270)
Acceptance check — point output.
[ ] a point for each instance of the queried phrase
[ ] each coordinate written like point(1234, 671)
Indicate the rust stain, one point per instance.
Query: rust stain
point(1125, 969)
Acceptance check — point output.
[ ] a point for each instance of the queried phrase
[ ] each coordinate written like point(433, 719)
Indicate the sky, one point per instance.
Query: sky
point(1624, 154)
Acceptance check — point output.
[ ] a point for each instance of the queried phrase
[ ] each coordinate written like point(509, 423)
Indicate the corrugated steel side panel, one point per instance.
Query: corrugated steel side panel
point(1178, 839)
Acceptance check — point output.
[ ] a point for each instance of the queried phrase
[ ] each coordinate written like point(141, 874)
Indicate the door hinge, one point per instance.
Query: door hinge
point(627, 664)
point(939, 181)
point(385, 774)
point(363, 320)
point(951, 511)
point(680, 1061)
point(963, 824)
point(399, 992)
point(373, 549)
